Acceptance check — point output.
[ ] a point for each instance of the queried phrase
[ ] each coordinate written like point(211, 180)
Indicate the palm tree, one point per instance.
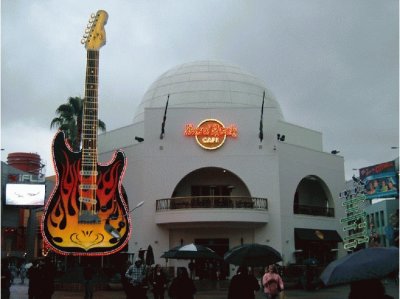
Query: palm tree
point(69, 120)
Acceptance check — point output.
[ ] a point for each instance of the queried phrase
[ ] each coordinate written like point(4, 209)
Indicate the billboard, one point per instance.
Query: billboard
point(25, 194)
point(380, 180)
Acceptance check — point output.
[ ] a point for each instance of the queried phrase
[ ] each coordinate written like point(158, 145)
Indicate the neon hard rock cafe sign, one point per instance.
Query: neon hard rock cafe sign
point(210, 134)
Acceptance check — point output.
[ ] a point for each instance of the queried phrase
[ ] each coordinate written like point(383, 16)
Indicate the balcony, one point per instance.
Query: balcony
point(314, 210)
point(194, 211)
point(212, 202)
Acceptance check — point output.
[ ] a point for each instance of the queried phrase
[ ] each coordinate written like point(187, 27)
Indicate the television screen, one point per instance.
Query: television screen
point(25, 194)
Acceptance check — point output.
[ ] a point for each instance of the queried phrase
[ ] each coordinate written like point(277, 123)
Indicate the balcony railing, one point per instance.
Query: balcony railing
point(212, 202)
point(314, 210)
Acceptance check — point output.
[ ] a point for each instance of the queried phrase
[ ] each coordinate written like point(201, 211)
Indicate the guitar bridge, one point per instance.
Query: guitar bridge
point(88, 218)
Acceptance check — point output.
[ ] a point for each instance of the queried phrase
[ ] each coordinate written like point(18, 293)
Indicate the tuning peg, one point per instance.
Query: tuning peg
point(88, 30)
point(83, 41)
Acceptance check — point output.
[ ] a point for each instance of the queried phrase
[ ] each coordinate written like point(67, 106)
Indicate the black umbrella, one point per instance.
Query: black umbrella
point(252, 255)
point(369, 263)
point(149, 256)
point(191, 251)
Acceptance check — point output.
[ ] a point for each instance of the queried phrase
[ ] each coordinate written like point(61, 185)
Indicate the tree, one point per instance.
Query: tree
point(69, 120)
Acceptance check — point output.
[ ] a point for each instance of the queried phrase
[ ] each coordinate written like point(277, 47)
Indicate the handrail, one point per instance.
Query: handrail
point(314, 210)
point(212, 202)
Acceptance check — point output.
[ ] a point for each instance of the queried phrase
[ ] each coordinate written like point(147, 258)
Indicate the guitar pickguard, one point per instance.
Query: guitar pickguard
point(68, 225)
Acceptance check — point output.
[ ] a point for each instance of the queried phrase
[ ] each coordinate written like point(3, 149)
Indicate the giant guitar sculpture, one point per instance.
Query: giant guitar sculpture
point(87, 212)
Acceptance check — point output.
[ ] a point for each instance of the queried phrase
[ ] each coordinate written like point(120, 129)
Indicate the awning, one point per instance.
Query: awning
point(307, 234)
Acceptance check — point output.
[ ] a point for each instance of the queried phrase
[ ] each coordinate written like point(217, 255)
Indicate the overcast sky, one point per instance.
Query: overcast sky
point(332, 65)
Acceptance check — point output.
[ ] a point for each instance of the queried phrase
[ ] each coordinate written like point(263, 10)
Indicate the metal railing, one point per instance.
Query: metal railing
point(314, 210)
point(212, 202)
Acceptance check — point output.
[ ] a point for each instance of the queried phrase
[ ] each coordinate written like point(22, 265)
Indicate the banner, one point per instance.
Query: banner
point(380, 180)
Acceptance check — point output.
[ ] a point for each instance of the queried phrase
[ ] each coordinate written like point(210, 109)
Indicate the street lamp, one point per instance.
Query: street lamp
point(137, 206)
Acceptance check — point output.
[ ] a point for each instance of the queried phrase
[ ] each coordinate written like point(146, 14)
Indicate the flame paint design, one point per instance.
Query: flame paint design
point(61, 227)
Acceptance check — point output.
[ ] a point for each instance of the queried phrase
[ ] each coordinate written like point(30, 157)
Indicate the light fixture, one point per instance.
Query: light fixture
point(280, 137)
point(139, 139)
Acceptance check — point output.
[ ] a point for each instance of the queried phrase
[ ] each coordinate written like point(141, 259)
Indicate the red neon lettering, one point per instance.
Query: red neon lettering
point(214, 130)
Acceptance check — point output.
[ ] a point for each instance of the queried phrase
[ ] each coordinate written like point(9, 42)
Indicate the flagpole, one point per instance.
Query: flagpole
point(261, 134)
point(164, 119)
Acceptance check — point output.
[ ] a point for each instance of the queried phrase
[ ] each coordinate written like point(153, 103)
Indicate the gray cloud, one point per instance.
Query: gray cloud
point(332, 65)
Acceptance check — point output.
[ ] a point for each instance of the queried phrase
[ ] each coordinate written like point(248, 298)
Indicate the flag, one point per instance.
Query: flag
point(164, 119)
point(261, 134)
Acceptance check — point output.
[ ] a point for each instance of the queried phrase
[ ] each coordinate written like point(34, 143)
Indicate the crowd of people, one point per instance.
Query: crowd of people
point(139, 279)
point(41, 274)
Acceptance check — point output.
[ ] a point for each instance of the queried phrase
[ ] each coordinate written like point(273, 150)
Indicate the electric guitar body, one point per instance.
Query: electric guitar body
point(75, 221)
point(87, 212)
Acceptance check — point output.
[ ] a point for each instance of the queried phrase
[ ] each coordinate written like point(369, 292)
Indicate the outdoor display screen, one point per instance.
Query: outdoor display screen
point(25, 194)
point(380, 180)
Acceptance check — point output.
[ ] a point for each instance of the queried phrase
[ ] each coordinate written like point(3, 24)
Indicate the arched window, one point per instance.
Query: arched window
point(312, 197)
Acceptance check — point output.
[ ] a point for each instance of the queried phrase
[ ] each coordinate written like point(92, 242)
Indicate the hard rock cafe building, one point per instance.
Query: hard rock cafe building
point(217, 165)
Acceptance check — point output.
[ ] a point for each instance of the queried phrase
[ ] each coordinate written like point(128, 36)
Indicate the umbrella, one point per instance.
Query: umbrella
point(149, 256)
point(252, 255)
point(191, 251)
point(369, 263)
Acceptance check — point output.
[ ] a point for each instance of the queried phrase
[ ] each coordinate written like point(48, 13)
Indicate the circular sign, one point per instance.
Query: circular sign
point(211, 134)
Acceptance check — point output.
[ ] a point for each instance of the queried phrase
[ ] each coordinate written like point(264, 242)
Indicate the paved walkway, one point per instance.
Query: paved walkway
point(19, 291)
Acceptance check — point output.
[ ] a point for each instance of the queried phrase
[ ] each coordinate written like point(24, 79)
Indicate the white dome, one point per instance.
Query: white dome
point(207, 84)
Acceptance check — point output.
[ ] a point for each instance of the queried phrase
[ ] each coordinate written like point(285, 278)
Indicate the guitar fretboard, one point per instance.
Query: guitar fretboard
point(90, 115)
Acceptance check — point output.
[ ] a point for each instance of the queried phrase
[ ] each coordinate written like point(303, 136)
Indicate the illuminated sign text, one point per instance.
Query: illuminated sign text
point(211, 133)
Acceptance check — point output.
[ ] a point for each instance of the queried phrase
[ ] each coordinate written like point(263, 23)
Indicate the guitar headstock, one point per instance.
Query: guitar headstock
point(95, 35)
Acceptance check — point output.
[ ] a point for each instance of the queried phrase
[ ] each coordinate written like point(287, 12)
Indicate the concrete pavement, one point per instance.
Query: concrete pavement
point(19, 291)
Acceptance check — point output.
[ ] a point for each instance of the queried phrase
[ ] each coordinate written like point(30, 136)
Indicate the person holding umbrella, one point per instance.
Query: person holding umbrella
point(243, 285)
point(272, 282)
point(182, 287)
point(369, 288)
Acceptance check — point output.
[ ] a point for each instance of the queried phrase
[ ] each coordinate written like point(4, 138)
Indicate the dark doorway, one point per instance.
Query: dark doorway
point(213, 269)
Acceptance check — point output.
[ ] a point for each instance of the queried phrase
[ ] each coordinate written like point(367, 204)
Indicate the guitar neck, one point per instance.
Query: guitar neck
point(90, 113)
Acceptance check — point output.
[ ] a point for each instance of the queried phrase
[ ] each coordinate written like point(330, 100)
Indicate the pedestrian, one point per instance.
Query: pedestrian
point(191, 267)
point(47, 272)
point(182, 287)
point(34, 280)
point(158, 281)
point(243, 285)
point(22, 273)
point(371, 288)
point(136, 275)
point(88, 274)
point(13, 270)
point(5, 280)
point(125, 280)
point(272, 282)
